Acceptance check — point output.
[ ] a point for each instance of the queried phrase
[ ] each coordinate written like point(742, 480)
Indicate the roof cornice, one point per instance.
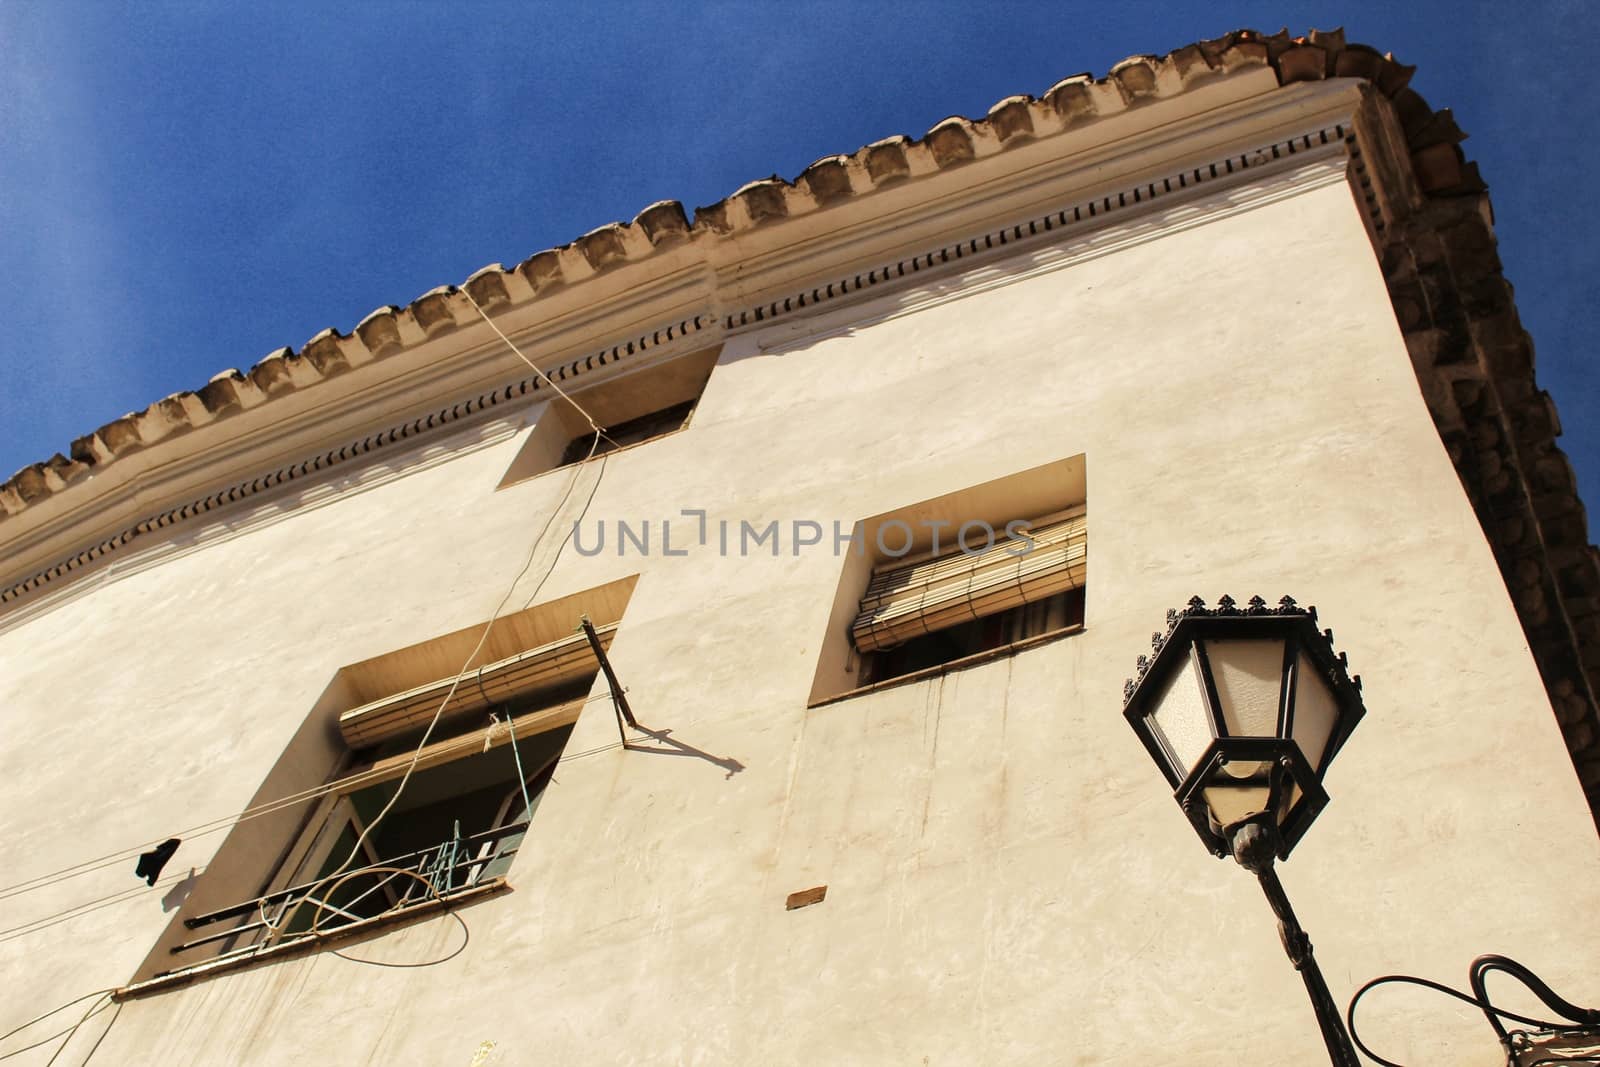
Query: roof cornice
point(909, 235)
point(658, 238)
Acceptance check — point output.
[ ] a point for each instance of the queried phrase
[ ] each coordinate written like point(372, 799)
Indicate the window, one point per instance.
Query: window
point(631, 432)
point(942, 609)
point(951, 581)
point(359, 851)
point(630, 408)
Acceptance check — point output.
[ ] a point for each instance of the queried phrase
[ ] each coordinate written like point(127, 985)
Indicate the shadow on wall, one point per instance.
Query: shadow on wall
point(179, 892)
point(667, 745)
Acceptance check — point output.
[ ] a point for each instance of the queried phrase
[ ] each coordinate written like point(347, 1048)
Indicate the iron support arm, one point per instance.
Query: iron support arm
point(1255, 847)
point(619, 699)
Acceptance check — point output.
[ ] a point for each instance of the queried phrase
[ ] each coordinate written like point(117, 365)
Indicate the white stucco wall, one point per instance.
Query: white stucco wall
point(1009, 880)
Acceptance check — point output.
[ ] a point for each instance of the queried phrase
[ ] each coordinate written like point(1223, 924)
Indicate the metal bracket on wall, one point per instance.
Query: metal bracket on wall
point(619, 699)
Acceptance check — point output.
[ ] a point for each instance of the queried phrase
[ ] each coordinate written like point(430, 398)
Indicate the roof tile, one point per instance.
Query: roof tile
point(663, 222)
point(1071, 99)
point(327, 352)
point(763, 199)
point(1358, 61)
point(1394, 76)
point(542, 270)
point(713, 218)
point(67, 469)
point(1011, 118)
point(603, 246)
point(950, 142)
point(1330, 41)
point(33, 483)
point(1302, 63)
point(1440, 128)
point(184, 410)
point(1242, 49)
point(1135, 77)
point(1189, 62)
point(378, 331)
point(90, 449)
point(427, 316)
point(272, 374)
point(828, 179)
point(886, 161)
point(121, 435)
point(488, 286)
point(224, 392)
point(1413, 111)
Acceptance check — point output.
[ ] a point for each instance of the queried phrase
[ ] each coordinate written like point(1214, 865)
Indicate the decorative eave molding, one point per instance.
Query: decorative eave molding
point(1075, 105)
point(1113, 206)
point(310, 468)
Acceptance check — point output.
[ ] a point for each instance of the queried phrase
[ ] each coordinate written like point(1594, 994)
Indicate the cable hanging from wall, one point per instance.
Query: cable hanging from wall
point(1575, 1023)
point(164, 848)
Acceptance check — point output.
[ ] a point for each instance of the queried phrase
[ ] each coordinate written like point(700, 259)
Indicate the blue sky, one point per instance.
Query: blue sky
point(187, 187)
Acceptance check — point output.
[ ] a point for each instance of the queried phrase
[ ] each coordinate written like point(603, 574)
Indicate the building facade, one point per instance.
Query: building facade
point(1227, 321)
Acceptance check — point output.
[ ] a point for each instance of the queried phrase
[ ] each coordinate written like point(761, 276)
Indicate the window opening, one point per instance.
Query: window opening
point(459, 822)
point(632, 432)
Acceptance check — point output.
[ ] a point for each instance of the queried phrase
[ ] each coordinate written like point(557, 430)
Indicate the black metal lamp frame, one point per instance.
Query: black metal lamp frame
point(1288, 767)
point(1187, 631)
point(1256, 842)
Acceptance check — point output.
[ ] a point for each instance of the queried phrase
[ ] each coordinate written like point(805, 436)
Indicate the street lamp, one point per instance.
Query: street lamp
point(1243, 709)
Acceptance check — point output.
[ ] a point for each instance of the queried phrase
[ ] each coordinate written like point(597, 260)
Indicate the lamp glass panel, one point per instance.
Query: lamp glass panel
point(1249, 677)
point(1232, 799)
point(1181, 719)
point(1316, 711)
point(1242, 788)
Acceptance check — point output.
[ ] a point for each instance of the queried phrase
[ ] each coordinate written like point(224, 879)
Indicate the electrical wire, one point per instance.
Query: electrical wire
point(548, 380)
point(345, 784)
point(46, 1040)
point(466, 939)
point(41, 1018)
point(204, 829)
point(74, 1033)
point(77, 910)
point(488, 628)
point(101, 1039)
point(269, 807)
point(416, 755)
point(95, 1008)
point(283, 912)
point(455, 683)
point(1478, 974)
point(1483, 1005)
point(527, 803)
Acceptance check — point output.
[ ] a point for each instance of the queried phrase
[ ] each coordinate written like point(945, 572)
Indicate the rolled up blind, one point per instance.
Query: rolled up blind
point(906, 600)
point(545, 667)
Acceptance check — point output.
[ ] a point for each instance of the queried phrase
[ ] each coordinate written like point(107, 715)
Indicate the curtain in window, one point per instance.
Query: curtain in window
point(908, 599)
point(546, 667)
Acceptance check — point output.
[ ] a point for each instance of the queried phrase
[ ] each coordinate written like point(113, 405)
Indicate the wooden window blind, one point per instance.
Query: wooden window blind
point(908, 599)
point(546, 667)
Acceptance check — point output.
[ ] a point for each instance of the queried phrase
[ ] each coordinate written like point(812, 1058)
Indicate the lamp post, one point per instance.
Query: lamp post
point(1243, 709)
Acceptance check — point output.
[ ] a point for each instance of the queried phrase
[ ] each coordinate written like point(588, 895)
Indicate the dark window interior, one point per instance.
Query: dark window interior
point(467, 796)
point(628, 433)
point(1059, 612)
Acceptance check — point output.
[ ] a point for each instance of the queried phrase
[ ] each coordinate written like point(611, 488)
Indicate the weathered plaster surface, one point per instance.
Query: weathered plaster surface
point(1008, 880)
